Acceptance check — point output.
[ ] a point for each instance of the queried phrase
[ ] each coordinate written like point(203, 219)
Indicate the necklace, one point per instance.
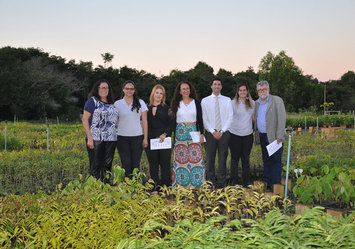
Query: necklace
point(186, 104)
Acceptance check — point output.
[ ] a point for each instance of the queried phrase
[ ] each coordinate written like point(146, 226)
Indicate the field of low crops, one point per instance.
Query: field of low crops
point(48, 200)
point(27, 166)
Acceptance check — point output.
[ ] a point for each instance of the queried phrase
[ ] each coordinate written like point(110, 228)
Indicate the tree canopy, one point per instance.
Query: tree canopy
point(35, 84)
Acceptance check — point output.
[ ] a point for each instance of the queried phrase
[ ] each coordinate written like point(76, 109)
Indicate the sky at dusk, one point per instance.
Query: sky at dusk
point(161, 35)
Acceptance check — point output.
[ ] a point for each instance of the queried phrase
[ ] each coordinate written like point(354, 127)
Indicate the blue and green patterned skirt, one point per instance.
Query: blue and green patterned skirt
point(188, 168)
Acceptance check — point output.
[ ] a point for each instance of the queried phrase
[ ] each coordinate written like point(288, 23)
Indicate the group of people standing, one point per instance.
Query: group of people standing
point(217, 122)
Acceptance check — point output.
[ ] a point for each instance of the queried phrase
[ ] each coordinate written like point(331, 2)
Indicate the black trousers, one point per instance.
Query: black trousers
point(211, 146)
point(240, 148)
point(100, 159)
point(162, 158)
point(130, 150)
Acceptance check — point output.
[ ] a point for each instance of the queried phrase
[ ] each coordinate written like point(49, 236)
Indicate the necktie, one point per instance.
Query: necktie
point(218, 115)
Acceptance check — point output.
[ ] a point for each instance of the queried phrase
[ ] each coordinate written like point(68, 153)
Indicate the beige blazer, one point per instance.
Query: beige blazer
point(275, 119)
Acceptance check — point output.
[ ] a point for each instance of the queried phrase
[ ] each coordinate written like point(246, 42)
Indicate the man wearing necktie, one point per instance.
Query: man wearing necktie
point(217, 114)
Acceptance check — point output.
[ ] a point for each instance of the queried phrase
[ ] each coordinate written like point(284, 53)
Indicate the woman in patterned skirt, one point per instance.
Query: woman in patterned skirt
point(188, 167)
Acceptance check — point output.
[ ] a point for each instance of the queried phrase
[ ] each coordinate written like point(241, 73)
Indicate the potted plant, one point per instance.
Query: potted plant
point(303, 193)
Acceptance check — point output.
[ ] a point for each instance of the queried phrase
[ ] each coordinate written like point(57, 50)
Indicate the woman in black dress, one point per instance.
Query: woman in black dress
point(160, 125)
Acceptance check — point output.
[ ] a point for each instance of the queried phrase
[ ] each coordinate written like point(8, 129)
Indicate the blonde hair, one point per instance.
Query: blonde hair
point(151, 98)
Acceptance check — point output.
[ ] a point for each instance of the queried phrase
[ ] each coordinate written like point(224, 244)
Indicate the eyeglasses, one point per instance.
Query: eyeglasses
point(262, 90)
point(103, 87)
point(129, 88)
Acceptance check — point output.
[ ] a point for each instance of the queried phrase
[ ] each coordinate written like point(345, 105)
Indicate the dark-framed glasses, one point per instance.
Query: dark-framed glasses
point(262, 90)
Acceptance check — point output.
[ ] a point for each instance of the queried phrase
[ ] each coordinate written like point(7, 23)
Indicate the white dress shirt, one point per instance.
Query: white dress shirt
point(208, 112)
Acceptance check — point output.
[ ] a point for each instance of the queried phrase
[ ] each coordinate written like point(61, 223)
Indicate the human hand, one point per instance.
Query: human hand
point(162, 137)
point(217, 135)
point(90, 143)
point(145, 143)
point(202, 138)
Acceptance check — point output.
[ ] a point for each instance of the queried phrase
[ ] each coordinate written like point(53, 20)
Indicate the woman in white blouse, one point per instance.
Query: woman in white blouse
point(241, 140)
point(132, 134)
point(188, 167)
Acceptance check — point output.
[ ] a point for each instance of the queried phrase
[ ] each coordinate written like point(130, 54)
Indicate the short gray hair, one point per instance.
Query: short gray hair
point(263, 83)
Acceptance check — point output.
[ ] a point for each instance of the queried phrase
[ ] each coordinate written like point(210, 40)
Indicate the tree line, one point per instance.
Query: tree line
point(35, 84)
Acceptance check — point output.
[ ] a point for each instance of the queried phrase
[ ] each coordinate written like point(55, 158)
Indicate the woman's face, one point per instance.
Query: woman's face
point(128, 90)
point(158, 95)
point(242, 92)
point(103, 90)
point(184, 90)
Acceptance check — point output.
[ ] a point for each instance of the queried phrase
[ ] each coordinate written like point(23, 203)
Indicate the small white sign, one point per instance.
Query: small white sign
point(155, 144)
point(273, 147)
point(195, 135)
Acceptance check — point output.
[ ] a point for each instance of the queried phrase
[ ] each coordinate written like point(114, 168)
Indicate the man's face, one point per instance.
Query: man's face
point(216, 87)
point(263, 91)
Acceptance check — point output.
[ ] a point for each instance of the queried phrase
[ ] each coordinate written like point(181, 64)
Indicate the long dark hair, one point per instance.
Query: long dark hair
point(248, 101)
point(135, 104)
point(95, 91)
point(175, 102)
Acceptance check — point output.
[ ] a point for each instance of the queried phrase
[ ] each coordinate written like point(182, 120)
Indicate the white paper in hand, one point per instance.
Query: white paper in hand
point(155, 144)
point(195, 136)
point(273, 147)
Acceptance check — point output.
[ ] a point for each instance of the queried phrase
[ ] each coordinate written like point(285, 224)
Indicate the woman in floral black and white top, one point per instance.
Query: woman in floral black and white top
point(100, 125)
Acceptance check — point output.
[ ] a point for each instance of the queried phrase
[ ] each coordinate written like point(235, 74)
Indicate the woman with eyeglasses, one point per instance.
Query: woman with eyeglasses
point(132, 132)
point(188, 167)
point(241, 130)
point(100, 125)
point(160, 125)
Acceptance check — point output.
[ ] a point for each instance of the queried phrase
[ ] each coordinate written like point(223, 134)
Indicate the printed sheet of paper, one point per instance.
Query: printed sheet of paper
point(195, 135)
point(273, 147)
point(155, 144)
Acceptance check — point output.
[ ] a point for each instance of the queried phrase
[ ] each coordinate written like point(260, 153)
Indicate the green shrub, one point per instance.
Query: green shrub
point(33, 170)
point(331, 185)
point(323, 120)
point(12, 143)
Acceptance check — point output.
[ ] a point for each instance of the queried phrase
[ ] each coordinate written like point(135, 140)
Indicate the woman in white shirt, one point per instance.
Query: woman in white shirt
point(241, 140)
point(188, 167)
point(132, 134)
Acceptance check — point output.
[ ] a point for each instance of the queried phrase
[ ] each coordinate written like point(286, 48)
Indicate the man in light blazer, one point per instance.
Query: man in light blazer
point(270, 118)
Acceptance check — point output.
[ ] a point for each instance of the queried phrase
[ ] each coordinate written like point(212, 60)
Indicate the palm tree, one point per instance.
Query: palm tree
point(107, 57)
